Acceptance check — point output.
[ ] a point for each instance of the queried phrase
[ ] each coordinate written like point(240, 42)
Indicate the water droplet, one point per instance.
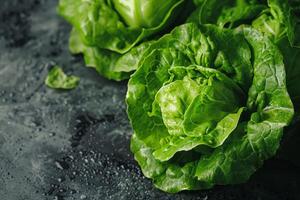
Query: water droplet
point(72, 191)
point(52, 134)
point(61, 190)
point(71, 157)
point(61, 179)
point(61, 165)
point(11, 95)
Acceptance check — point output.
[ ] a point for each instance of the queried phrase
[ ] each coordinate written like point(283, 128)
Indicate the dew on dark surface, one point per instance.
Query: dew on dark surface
point(75, 145)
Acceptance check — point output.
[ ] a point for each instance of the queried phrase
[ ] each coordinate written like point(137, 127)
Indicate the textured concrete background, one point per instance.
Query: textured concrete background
point(75, 145)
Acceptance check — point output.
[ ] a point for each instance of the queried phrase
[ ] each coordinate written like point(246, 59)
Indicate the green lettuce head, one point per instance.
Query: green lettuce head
point(208, 106)
point(106, 30)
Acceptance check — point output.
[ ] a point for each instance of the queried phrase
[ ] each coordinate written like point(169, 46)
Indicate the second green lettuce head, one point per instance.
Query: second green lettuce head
point(105, 30)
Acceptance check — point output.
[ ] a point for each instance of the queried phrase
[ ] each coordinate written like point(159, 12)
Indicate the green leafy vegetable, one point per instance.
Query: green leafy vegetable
point(208, 106)
point(105, 30)
point(57, 79)
point(100, 25)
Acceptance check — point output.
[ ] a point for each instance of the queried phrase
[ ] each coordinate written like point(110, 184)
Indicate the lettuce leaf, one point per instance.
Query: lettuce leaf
point(110, 64)
point(57, 79)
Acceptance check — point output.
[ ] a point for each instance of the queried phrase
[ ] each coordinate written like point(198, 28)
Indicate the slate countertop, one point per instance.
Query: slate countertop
point(75, 145)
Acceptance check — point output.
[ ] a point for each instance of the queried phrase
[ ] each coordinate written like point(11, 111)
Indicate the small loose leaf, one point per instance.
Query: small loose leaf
point(57, 79)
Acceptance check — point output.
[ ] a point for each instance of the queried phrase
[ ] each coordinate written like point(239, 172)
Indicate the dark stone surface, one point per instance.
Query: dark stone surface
point(75, 145)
